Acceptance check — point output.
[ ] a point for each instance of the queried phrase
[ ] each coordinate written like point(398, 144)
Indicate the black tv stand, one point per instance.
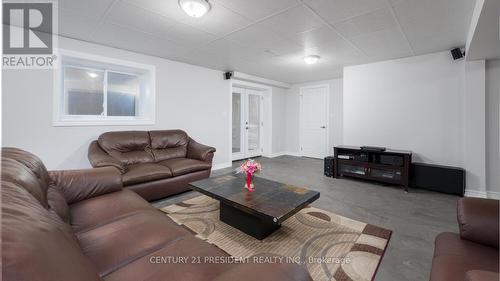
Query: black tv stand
point(387, 166)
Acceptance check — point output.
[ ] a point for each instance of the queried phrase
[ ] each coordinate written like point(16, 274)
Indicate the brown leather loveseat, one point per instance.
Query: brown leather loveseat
point(155, 164)
point(471, 255)
point(80, 225)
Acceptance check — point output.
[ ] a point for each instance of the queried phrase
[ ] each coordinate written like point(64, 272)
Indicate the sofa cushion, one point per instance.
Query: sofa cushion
point(117, 243)
point(182, 166)
point(453, 257)
point(58, 203)
point(151, 267)
point(481, 275)
point(129, 147)
point(447, 268)
point(448, 243)
point(169, 144)
point(145, 172)
point(36, 243)
point(106, 208)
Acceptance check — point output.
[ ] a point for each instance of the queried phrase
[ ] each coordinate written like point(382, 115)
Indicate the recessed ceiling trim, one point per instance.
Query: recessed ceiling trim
point(400, 27)
point(325, 22)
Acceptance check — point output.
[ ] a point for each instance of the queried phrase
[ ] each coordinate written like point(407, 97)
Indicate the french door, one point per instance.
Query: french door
point(247, 123)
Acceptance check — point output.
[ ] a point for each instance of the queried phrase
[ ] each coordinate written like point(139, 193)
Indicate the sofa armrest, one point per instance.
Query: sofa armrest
point(266, 271)
point(480, 275)
point(78, 185)
point(99, 158)
point(478, 220)
point(199, 151)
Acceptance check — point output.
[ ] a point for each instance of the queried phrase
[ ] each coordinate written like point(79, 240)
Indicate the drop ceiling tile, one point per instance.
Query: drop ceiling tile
point(370, 22)
point(113, 35)
point(229, 49)
point(263, 36)
point(347, 28)
point(219, 21)
point(339, 10)
point(130, 16)
point(72, 24)
point(314, 37)
point(257, 9)
point(167, 8)
point(293, 21)
point(282, 46)
point(88, 8)
point(255, 35)
point(435, 25)
point(187, 34)
point(385, 44)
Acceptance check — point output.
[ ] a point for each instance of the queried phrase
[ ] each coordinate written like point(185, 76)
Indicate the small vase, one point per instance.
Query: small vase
point(249, 182)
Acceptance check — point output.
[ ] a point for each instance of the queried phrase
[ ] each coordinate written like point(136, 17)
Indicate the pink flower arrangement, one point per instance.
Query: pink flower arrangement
point(249, 167)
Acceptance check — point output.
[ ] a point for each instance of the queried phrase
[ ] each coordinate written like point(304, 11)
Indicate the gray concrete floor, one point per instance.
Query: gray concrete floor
point(415, 217)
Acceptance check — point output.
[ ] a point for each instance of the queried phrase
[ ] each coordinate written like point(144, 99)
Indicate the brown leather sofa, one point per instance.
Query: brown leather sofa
point(471, 255)
point(155, 164)
point(80, 225)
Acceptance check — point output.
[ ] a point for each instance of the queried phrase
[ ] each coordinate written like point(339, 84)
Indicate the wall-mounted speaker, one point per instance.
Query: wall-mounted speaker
point(438, 178)
point(457, 53)
point(228, 75)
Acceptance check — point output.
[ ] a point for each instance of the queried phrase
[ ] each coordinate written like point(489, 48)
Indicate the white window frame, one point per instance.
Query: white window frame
point(145, 108)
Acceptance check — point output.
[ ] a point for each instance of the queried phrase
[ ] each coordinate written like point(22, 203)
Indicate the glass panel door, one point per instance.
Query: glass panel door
point(254, 125)
point(237, 123)
point(246, 123)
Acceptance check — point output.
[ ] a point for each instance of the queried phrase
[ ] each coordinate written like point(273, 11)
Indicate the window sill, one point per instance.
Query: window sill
point(93, 122)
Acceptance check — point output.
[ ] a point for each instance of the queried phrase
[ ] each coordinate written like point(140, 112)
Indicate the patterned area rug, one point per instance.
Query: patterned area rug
point(332, 247)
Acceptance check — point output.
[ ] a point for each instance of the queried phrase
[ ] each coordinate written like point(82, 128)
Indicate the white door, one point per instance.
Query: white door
point(247, 123)
point(314, 121)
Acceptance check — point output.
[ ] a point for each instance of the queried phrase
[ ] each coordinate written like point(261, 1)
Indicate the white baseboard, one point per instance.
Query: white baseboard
point(475, 193)
point(283, 153)
point(275, 154)
point(493, 194)
point(482, 194)
point(222, 166)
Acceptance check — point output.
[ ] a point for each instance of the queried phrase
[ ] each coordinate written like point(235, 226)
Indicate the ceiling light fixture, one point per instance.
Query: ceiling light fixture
point(311, 59)
point(92, 74)
point(195, 8)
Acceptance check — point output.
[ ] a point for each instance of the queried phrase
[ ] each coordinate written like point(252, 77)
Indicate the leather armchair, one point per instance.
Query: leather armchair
point(471, 255)
point(478, 220)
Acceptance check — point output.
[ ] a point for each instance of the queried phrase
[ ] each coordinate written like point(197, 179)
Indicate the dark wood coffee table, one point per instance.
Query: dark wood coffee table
point(257, 213)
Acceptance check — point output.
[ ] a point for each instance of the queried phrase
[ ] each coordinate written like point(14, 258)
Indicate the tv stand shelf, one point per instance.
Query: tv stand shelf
point(388, 166)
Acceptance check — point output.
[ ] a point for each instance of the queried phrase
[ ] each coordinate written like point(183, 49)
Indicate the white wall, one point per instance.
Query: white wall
point(188, 97)
point(279, 120)
point(428, 104)
point(474, 135)
point(293, 108)
point(413, 103)
point(493, 128)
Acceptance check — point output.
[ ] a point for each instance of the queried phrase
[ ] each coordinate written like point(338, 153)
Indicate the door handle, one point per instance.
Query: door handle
point(323, 127)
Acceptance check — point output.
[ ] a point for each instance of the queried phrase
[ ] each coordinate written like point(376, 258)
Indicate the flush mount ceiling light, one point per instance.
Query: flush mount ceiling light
point(195, 8)
point(311, 59)
point(92, 74)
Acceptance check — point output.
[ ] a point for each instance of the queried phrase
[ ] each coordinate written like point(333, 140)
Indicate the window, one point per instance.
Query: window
point(101, 91)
